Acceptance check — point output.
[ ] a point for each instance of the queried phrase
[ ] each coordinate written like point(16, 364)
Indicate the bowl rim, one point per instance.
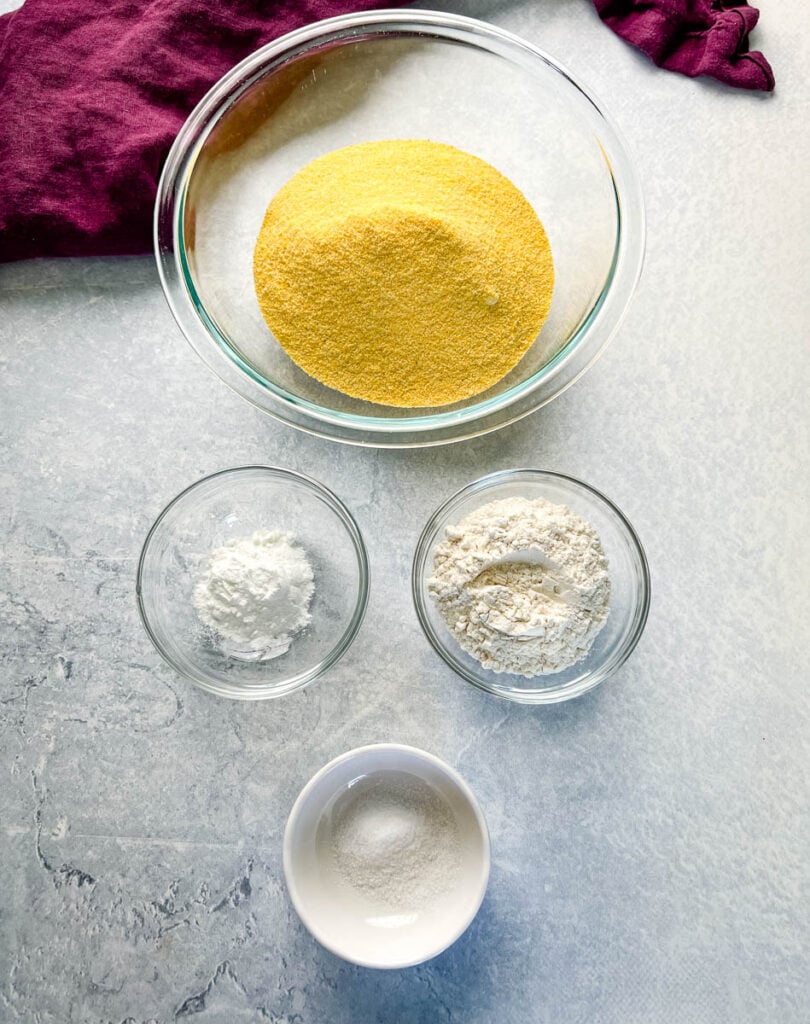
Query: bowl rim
point(295, 813)
point(300, 679)
point(599, 324)
point(551, 694)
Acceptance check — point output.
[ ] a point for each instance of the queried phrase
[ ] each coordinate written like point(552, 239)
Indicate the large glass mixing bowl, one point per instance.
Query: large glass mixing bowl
point(396, 75)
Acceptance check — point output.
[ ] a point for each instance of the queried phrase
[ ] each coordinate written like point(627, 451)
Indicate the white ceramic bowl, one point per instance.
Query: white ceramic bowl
point(342, 918)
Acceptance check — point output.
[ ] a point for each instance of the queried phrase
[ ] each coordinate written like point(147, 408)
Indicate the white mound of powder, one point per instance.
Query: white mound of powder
point(395, 841)
point(256, 591)
point(523, 585)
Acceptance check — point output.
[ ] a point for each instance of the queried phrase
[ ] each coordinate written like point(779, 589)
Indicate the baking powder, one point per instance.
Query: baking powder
point(256, 591)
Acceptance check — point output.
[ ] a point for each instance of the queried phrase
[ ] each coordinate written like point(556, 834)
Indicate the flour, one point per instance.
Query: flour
point(395, 841)
point(256, 592)
point(523, 585)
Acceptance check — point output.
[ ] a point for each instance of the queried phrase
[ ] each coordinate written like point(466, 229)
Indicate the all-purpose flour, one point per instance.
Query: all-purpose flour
point(256, 591)
point(523, 585)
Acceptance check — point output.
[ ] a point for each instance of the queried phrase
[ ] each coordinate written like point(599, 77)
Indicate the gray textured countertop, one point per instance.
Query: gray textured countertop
point(650, 841)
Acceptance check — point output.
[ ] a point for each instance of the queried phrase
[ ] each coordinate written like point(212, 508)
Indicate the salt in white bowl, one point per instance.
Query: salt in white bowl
point(342, 917)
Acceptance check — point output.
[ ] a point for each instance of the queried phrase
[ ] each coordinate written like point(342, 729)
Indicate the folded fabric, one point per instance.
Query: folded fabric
point(92, 93)
point(694, 37)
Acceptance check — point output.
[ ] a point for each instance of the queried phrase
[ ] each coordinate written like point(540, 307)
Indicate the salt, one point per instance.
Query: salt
point(395, 842)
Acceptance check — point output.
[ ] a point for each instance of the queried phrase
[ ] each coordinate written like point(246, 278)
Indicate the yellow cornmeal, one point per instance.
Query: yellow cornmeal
point(406, 273)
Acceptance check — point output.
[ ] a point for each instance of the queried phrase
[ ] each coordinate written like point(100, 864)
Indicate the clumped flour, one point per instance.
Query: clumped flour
point(523, 585)
point(256, 591)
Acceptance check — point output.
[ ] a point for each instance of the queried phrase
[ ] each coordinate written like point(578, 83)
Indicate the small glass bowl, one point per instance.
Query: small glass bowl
point(629, 578)
point(396, 75)
point(235, 503)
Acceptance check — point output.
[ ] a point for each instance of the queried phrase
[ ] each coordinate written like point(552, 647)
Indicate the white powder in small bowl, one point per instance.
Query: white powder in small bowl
point(395, 841)
point(256, 592)
point(523, 585)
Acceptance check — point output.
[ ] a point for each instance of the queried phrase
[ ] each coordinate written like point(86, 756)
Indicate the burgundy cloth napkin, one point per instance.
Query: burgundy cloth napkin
point(92, 93)
point(695, 37)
